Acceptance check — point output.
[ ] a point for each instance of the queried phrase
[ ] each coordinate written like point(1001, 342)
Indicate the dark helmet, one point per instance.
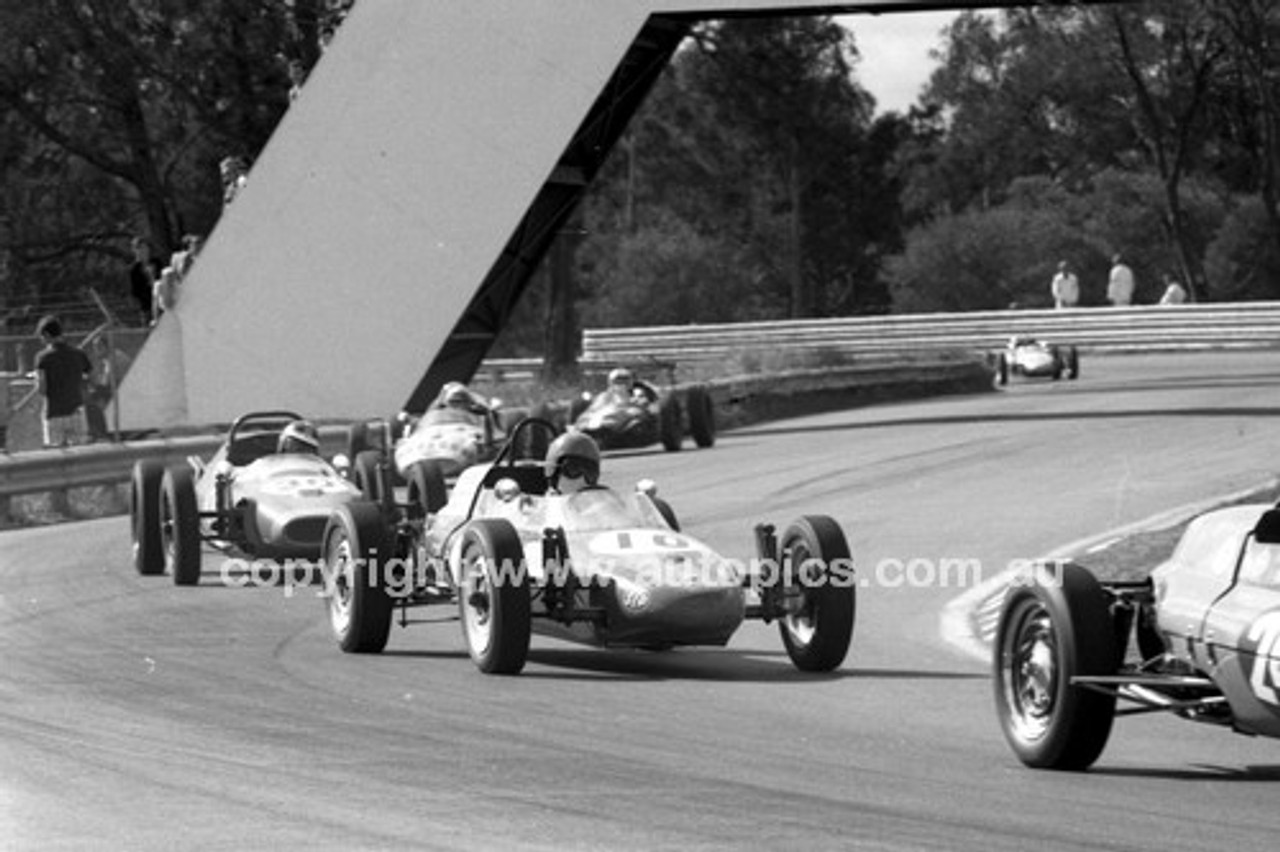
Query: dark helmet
point(574, 455)
point(300, 436)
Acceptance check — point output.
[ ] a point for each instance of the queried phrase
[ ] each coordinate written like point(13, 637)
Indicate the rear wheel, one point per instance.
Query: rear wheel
point(702, 417)
point(1002, 369)
point(670, 427)
point(427, 490)
point(1055, 625)
point(494, 597)
point(817, 633)
point(1073, 363)
point(180, 525)
point(355, 550)
point(144, 516)
point(364, 467)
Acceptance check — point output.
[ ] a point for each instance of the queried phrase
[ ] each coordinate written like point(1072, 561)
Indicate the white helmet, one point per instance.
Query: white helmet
point(300, 436)
point(621, 376)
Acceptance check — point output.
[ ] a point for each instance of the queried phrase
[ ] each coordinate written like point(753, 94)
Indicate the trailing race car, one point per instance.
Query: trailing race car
point(517, 550)
point(1032, 358)
point(1205, 629)
point(633, 413)
point(458, 430)
point(265, 493)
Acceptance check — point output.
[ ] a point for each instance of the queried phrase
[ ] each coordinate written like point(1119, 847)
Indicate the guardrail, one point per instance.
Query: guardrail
point(106, 464)
point(1235, 325)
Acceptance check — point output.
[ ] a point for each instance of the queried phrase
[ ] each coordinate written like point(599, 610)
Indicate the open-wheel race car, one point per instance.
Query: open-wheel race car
point(457, 430)
point(514, 555)
point(265, 493)
point(1200, 638)
point(1032, 358)
point(633, 413)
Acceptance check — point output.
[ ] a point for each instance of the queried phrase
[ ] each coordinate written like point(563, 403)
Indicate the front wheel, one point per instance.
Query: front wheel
point(702, 417)
point(1002, 369)
point(817, 633)
point(180, 526)
point(1055, 625)
point(364, 467)
point(494, 597)
point(427, 490)
point(670, 427)
point(144, 516)
point(356, 549)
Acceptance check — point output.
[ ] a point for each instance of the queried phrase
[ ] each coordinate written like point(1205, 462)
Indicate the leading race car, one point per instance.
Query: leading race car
point(1205, 631)
point(633, 414)
point(516, 551)
point(265, 493)
point(1032, 358)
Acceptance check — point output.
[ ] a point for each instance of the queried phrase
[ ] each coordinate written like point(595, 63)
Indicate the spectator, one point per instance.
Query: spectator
point(235, 175)
point(182, 259)
point(166, 293)
point(1120, 283)
point(143, 273)
point(1065, 287)
point(1174, 293)
point(297, 76)
point(61, 372)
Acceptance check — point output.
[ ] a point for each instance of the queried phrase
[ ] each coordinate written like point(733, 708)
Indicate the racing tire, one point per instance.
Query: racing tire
point(364, 468)
point(180, 526)
point(427, 490)
point(670, 429)
point(1059, 362)
point(1002, 369)
point(1055, 624)
point(354, 551)
point(144, 517)
point(494, 597)
point(817, 637)
point(357, 442)
point(1073, 363)
point(580, 404)
point(702, 417)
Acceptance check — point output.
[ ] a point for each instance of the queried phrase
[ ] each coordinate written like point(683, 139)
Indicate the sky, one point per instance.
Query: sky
point(895, 53)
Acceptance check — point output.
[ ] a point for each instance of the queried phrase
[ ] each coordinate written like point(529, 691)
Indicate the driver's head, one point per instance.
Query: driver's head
point(621, 379)
point(300, 436)
point(573, 462)
point(457, 396)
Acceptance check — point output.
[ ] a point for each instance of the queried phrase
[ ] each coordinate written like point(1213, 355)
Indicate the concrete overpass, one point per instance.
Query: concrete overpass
point(400, 208)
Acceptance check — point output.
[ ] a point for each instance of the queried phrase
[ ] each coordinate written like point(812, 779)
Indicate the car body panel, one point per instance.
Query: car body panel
point(455, 439)
point(659, 586)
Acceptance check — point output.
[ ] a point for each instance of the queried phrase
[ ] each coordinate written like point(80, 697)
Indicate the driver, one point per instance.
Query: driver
point(621, 390)
point(573, 463)
point(300, 436)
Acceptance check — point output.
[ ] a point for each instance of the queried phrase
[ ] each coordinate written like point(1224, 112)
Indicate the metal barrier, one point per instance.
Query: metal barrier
point(1236, 325)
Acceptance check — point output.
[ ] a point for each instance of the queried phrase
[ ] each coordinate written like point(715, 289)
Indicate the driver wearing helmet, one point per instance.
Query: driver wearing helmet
point(300, 436)
point(573, 463)
point(622, 389)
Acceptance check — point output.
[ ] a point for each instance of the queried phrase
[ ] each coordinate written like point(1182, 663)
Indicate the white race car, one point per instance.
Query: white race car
point(1032, 358)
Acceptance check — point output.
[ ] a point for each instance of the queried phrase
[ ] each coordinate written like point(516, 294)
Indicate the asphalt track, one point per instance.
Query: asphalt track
point(137, 715)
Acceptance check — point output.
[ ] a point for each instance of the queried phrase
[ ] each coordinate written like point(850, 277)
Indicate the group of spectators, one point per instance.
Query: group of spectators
point(1065, 286)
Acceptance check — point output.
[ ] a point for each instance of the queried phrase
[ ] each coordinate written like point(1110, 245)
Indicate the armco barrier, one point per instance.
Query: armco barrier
point(738, 400)
point(1147, 328)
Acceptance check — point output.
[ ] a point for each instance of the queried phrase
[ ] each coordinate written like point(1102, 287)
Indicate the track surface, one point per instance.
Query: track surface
point(138, 715)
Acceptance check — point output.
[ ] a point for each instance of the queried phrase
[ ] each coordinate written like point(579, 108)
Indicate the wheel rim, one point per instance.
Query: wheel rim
point(1031, 673)
point(801, 624)
point(477, 603)
point(340, 568)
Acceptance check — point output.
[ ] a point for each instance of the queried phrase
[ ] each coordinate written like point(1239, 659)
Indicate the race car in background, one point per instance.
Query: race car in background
point(457, 430)
point(1031, 358)
point(1200, 638)
point(632, 413)
point(265, 493)
point(608, 568)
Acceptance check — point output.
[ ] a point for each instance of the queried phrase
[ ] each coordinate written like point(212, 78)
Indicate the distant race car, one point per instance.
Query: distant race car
point(458, 430)
point(634, 413)
point(1032, 358)
point(1204, 630)
point(249, 498)
point(598, 566)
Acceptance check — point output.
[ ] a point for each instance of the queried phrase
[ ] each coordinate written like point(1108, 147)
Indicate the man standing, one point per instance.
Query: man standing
point(1120, 283)
point(142, 277)
point(61, 372)
point(1065, 287)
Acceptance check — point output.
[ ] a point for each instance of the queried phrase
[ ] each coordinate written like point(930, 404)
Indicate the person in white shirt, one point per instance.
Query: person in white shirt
point(1174, 293)
point(1065, 287)
point(1120, 283)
